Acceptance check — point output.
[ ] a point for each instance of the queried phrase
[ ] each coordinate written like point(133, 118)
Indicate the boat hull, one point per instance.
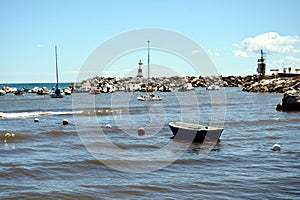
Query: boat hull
point(149, 98)
point(57, 93)
point(194, 132)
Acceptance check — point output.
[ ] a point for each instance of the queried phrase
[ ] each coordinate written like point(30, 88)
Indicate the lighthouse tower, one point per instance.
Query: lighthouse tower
point(140, 71)
point(261, 66)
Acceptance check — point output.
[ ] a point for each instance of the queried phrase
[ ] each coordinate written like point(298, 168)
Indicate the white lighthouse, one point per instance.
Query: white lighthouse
point(140, 70)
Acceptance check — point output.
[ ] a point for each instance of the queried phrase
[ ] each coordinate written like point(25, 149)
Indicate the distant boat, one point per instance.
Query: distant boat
point(2, 92)
point(213, 87)
point(195, 132)
point(67, 91)
point(148, 96)
point(19, 92)
point(95, 90)
point(56, 92)
point(42, 91)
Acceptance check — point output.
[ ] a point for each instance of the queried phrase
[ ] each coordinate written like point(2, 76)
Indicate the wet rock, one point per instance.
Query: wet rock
point(290, 101)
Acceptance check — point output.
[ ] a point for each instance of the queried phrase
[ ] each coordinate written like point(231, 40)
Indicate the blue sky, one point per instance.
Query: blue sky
point(232, 32)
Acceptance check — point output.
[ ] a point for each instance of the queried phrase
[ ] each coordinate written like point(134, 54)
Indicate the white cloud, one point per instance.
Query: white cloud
point(288, 61)
point(271, 42)
point(241, 53)
point(293, 60)
point(236, 45)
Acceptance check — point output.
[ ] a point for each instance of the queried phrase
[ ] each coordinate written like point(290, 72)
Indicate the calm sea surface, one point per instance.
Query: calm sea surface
point(87, 159)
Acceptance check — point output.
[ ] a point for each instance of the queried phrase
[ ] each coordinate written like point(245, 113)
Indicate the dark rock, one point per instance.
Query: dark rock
point(290, 102)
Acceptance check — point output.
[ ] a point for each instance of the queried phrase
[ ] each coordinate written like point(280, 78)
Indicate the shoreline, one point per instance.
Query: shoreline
point(250, 83)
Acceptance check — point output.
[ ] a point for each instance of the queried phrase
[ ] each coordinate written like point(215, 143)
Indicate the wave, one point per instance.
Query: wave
point(35, 114)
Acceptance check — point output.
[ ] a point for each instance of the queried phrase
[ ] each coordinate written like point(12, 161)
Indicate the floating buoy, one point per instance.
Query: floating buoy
point(276, 147)
point(65, 122)
point(108, 126)
point(7, 135)
point(141, 131)
point(36, 119)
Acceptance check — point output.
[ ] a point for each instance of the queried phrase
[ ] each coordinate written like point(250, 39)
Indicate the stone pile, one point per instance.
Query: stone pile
point(290, 102)
point(276, 85)
point(138, 84)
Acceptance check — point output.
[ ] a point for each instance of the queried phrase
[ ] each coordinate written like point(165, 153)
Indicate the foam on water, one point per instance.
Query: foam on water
point(35, 114)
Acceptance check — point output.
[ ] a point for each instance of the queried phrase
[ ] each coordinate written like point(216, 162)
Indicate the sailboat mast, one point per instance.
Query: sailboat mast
point(56, 65)
point(148, 79)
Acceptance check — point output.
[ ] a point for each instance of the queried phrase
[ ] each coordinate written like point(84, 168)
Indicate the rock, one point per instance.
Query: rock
point(275, 85)
point(290, 102)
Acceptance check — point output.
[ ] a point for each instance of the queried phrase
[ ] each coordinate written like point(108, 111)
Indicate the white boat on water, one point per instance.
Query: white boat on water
point(213, 87)
point(56, 92)
point(2, 92)
point(95, 90)
point(67, 91)
point(195, 132)
point(42, 91)
point(148, 96)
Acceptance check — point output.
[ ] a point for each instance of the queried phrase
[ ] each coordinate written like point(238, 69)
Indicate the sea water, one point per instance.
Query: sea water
point(87, 158)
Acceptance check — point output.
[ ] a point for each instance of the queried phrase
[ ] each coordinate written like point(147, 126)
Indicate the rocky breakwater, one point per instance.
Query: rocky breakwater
point(222, 81)
point(290, 102)
point(276, 85)
point(163, 83)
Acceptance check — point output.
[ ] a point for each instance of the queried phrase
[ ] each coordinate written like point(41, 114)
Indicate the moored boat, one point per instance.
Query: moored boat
point(19, 92)
point(213, 87)
point(150, 97)
point(195, 132)
point(2, 92)
point(95, 90)
point(56, 92)
point(42, 91)
point(67, 91)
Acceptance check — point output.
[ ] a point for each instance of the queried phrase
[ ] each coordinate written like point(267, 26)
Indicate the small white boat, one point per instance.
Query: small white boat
point(95, 90)
point(150, 97)
point(67, 91)
point(2, 92)
point(195, 132)
point(42, 91)
point(56, 92)
point(213, 87)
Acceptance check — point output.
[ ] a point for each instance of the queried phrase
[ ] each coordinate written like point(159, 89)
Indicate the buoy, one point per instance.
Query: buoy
point(65, 122)
point(108, 126)
point(36, 119)
point(7, 135)
point(141, 131)
point(276, 147)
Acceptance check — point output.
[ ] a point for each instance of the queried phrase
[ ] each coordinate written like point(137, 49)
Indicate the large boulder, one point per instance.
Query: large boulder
point(290, 101)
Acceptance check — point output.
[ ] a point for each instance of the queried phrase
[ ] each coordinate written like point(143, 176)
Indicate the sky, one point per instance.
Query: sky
point(231, 32)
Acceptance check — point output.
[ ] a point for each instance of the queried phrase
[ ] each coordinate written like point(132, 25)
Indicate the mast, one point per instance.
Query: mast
point(148, 79)
point(56, 65)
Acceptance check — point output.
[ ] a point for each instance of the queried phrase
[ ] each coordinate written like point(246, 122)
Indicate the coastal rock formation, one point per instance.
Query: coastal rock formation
point(164, 84)
point(290, 101)
point(276, 85)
